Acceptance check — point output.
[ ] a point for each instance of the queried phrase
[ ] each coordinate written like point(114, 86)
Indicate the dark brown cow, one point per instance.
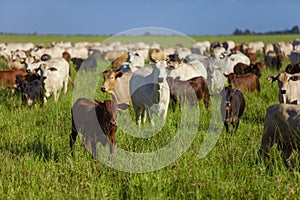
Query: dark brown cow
point(246, 83)
point(232, 107)
point(8, 78)
point(191, 90)
point(241, 68)
point(281, 127)
point(96, 121)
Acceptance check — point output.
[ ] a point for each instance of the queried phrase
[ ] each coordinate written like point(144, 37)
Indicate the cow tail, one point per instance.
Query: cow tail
point(71, 81)
point(206, 96)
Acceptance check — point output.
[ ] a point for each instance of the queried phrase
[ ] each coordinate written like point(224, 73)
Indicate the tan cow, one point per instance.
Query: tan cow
point(281, 127)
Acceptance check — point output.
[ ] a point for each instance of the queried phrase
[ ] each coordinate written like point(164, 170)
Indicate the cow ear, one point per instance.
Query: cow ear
point(271, 79)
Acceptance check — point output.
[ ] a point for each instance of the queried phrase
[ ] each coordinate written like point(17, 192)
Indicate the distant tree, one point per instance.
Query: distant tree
point(238, 32)
point(247, 32)
point(295, 30)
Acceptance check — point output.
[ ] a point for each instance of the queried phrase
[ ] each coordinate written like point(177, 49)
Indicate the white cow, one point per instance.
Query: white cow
point(57, 76)
point(257, 46)
point(186, 71)
point(78, 52)
point(150, 92)
point(136, 59)
point(217, 66)
point(201, 48)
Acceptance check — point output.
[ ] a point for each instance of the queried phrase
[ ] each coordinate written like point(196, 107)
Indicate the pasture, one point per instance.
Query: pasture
point(36, 162)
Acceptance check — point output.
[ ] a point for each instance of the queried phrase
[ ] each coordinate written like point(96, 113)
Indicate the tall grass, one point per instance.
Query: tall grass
point(36, 161)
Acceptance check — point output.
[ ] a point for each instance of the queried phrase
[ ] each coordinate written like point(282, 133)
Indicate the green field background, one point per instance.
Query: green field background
point(35, 159)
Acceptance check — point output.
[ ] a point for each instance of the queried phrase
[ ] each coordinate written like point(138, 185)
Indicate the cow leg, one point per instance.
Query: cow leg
point(227, 127)
point(112, 147)
point(144, 116)
point(235, 126)
point(286, 153)
point(174, 101)
point(65, 86)
point(94, 149)
point(73, 137)
point(266, 145)
point(137, 116)
point(149, 116)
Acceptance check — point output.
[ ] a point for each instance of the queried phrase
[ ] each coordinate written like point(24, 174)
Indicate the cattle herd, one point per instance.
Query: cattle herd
point(149, 77)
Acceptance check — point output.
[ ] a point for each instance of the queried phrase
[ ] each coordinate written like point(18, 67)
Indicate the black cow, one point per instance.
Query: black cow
point(31, 87)
point(232, 107)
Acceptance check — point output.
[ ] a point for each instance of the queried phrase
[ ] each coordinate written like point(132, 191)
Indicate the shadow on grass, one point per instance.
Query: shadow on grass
point(37, 148)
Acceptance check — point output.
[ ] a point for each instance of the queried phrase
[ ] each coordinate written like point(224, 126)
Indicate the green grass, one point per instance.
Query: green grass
point(36, 162)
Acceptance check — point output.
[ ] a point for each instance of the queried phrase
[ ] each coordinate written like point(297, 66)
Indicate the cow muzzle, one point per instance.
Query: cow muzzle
point(283, 91)
point(103, 89)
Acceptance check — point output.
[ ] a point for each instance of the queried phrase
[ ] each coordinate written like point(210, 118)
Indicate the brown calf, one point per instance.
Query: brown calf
point(241, 68)
point(188, 90)
point(8, 78)
point(247, 82)
point(96, 121)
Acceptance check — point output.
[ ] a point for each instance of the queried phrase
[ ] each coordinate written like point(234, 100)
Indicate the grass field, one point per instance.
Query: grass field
point(36, 161)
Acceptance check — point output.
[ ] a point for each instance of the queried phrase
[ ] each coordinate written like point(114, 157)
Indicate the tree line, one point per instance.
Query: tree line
point(293, 30)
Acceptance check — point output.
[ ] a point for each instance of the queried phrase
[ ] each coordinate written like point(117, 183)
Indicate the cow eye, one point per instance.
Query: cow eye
point(111, 77)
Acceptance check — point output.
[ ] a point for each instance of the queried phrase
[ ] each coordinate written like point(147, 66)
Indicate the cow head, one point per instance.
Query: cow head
point(230, 77)
point(110, 80)
point(284, 79)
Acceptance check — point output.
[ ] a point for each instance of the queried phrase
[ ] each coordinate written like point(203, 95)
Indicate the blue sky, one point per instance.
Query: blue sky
point(191, 17)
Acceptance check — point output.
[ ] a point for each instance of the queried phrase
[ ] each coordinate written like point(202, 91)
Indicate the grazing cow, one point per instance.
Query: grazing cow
point(232, 107)
point(281, 127)
point(96, 121)
point(246, 83)
point(8, 77)
point(117, 84)
point(150, 92)
point(273, 60)
point(293, 68)
point(288, 87)
point(242, 68)
point(188, 90)
point(186, 71)
point(31, 87)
